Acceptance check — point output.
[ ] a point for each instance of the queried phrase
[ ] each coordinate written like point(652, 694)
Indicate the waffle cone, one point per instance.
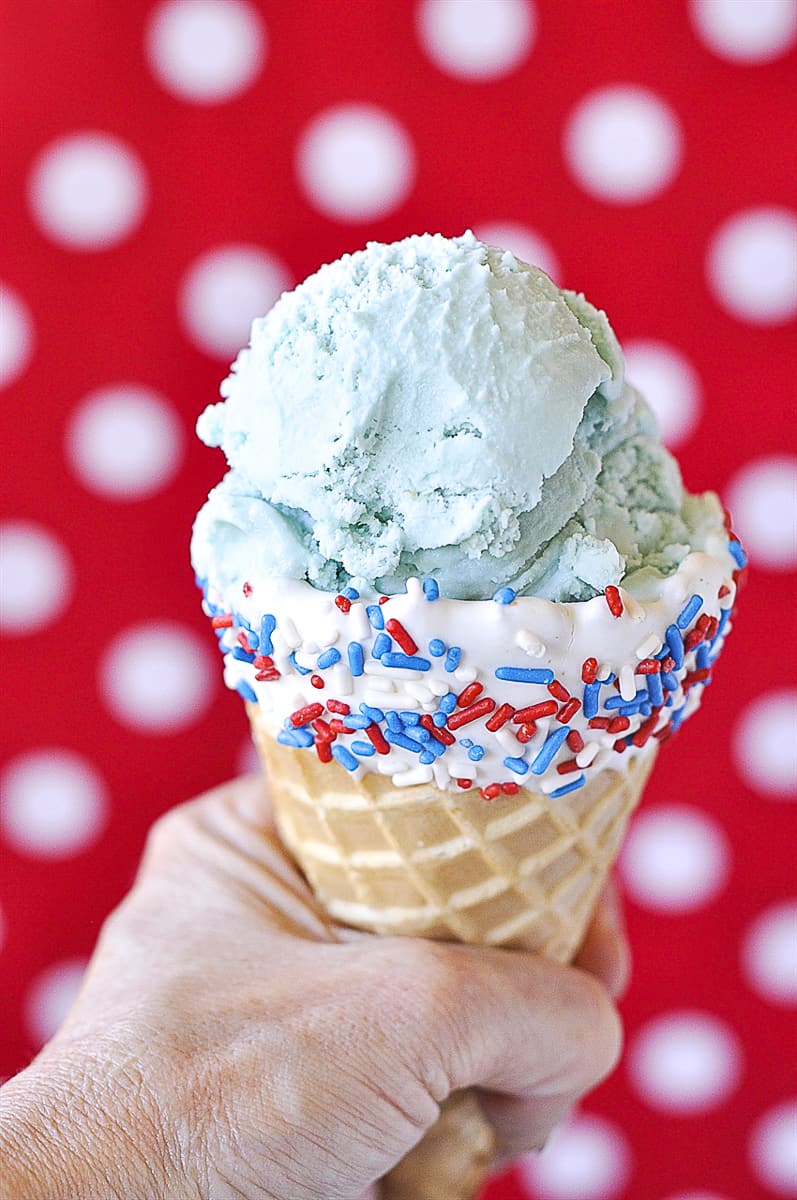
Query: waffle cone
point(523, 871)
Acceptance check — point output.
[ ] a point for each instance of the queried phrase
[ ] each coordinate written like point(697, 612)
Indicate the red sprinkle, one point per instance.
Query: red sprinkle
point(693, 638)
point(397, 631)
point(500, 717)
point(471, 713)
point(599, 722)
point(263, 661)
point(383, 599)
point(568, 711)
point(377, 739)
point(440, 734)
point(568, 766)
point(469, 694)
point(324, 750)
point(645, 730)
point(667, 664)
point(337, 726)
point(545, 708)
point(224, 622)
point(618, 725)
point(558, 690)
point(724, 591)
point(338, 706)
point(510, 788)
point(243, 640)
point(711, 629)
point(247, 589)
point(703, 622)
point(268, 675)
point(695, 677)
point(526, 732)
point(491, 791)
point(322, 728)
point(613, 600)
point(316, 681)
point(575, 741)
point(343, 603)
point(663, 734)
point(303, 716)
point(465, 783)
point(648, 666)
point(589, 670)
point(621, 745)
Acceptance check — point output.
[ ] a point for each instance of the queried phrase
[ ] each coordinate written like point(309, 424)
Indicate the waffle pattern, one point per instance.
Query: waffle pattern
point(523, 870)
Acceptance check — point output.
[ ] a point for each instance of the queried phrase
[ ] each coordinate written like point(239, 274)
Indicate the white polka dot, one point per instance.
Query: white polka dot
point(157, 677)
point(586, 1158)
point(675, 859)
point(762, 499)
point(355, 162)
point(476, 39)
point(746, 31)
point(50, 998)
point(222, 293)
point(124, 442)
point(53, 803)
point(769, 953)
point(765, 743)
point(35, 577)
point(752, 265)
point(623, 144)
point(205, 51)
point(524, 243)
point(16, 336)
point(670, 385)
point(685, 1062)
point(88, 190)
point(773, 1149)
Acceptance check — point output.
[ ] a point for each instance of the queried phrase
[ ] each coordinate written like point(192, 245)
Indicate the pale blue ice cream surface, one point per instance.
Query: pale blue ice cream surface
point(437, 408)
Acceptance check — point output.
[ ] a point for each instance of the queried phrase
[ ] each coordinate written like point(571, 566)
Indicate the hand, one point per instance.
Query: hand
point(229, 1041)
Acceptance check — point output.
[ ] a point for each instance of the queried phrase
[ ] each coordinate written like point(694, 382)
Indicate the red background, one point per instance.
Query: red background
point(486, 151)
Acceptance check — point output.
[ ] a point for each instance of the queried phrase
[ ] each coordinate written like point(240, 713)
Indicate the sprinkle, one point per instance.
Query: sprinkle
point(650, 646)
point(693, 677)
point(383, 599)
point(545, 708)
point(439, 718)
point(655, 689)
point(376, 616)
point(491, 791)
point(614, 601)
point(268, 675)
point(437, 731)
point(377, 739)
point(589, 670)
point(355, 722)
point(587, 756)
point(328, 658)
point(397, 631)
point(723, 592)
point(246, 690)
point(550, 748)
point(343, 603)
point(530, 643)
point(240, 619)
point(351, 593)
point(382, 644)
point(324, 751)
point(316, 681)
point(648, 666)
point(453, 657)
point(247, 588)
point(394, 722)
point(526, 732)
point(412, 778)
point(568, 711)
point(373, 714)
point(464, 783)
point(223, 622)
point(620, 702)
point(345, 757)
point(303, 716)
point(465, 674)
point(575, 741)
point(364, 749)
point(591, 694)
point(558, 690)
point(500, 717)
point(323, 729)
point(568, 787)
point(267, 626)
point(356, 659)
point(504, 595)
point(518, 765)
point(524, 674)
point(437, 648)
point(676, 645)
point(476, 753)
point(405, 662)
point(338, 706)
point(568, 767)
point(409, 718)
point(627, 683)
point(430, 589)
point(510, 788)
point(689, 610)
point(693, 638)
point(296, 666)
point(621, 745)
point(297, 738)
point(737, 553)
point(469, 694)
point(471, 713)
point(669, 681)
point(645, 730)
point(618, 725)
point(406, 743)
point(702, 657)
point(426, 757)
point(448, 702)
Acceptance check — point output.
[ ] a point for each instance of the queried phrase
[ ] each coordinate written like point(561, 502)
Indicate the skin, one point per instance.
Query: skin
point(230, 1042)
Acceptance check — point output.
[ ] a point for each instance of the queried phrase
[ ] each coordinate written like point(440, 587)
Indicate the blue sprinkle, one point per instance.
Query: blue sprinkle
point(345, 757)
point(448, 702)
point(434, 747)
point(645, 709)
point(655, 689)
point(240, 620)
point(409, 718)
point(663, 653)
point(591, 693)
point(524, 674)
point(394, 721)
point(724, 618)
point(246, 691)
point(376, 616)
point(452, 658)
point(287, 739)
point(373, 714)
point(405, 662)
point(702, 656)
point(546, 755)
point(356, 659)
point(406, 743)
point(439, 718)
point(382, 644)
point(737, 553)
point(292, 660)
point(430, 589)
point(676, 645)
point(677, 718)
point(466, 742)
point(364, 749)
point(617, 701)
point(610, 678)
point(689, 610)
point(504, 595)
point(426, 758)
point(669, 681)
point(241, 654)
point(476, 753)
point(437, 648)
point(352, 721)
point(351, 593)
point(328, 658)
point(423, 735)
point(518, 765)
point(252, 638)
point(295, 737)
point(267, 627)
point(568, 787)
point(631, 709)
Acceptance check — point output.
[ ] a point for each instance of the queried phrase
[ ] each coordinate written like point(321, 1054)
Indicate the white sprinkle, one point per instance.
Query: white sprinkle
point(340, 680)
point(465, 674)
point(627, 683)
point(414, 587)
point(530, 643)
point(586, 756)
point(507, 741)
point(310, 646)
point(290, 633)
point(460, 768)
point(437, 686)
point(298, 700)
point(387, 764)
point(440, 773)
point(359, 626)
point(603, 672)
point(634, 609)
point(413, 777)
point(651, 645)
point(419, 690)
point(404, 700)
point(378, 683)
point(374, 669)
point(327, 635)
point(306, 657)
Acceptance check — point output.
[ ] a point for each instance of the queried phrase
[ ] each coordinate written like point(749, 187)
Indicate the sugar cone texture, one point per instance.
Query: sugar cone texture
point(522, 871)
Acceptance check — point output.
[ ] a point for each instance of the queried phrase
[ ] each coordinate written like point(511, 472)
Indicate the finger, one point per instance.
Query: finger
point(522, 1125)
point(605, 951)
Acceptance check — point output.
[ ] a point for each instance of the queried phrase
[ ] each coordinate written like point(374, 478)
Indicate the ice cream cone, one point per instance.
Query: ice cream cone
point(524, 871)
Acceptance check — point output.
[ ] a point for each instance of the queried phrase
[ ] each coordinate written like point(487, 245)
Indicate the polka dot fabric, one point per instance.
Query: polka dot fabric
point(173, 167)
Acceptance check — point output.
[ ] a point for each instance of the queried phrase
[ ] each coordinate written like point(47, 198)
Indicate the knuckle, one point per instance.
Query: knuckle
point(601, 1041)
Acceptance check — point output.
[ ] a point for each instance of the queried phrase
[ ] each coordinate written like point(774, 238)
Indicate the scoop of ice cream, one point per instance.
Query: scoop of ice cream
point(435, 407)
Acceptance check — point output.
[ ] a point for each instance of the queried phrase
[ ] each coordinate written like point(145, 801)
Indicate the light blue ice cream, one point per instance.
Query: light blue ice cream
point(435, 407)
